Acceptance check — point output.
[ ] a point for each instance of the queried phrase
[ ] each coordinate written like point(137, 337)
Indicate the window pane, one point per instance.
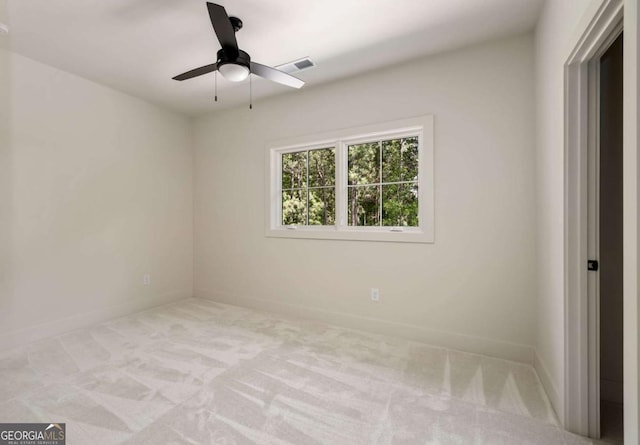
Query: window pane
point(364, 163)
point(294, 207)
point(364, 206)
point(409, 167)
point(391, 160)
point(294, 170)
point(322, 167)
point(400, 205)
point(400, 160)
point(322, 206)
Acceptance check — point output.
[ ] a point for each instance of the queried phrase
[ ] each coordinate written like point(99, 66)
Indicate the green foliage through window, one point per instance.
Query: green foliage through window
point(383, 183)
point(308, 187)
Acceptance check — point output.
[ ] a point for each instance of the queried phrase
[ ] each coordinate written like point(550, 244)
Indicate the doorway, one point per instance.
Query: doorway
point(589, 64)
point(609, 288)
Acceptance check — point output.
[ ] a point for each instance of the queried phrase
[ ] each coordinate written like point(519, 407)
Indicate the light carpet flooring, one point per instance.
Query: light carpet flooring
point(198, 372)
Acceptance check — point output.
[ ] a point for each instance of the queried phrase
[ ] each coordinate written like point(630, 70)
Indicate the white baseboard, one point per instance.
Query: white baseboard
point(31, 334)
point(611, 391)
point(451, 340)
point(550, 387)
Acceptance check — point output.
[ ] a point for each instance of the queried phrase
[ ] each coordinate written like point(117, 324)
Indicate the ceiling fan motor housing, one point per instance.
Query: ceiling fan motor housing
point(243, 59)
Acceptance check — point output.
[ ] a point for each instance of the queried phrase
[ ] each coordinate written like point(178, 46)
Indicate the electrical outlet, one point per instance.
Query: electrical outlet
point(375, 294)
point(146, 279)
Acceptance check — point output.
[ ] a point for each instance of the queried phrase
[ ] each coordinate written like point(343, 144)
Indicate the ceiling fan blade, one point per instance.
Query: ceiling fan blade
point(224, 29)
point(276, 75)
point(197, 72)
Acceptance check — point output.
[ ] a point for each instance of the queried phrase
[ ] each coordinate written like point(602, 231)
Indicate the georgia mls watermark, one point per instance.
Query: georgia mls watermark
point(32, 434)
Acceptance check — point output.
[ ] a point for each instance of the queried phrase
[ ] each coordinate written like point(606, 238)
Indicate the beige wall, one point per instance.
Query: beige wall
point(474, 288)
point(554, 31)
point(95, 191)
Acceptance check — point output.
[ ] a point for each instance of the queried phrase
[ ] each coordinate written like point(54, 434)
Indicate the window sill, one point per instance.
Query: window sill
point(388, 235)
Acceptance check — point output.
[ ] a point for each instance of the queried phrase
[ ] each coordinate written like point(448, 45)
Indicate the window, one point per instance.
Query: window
point(383, 183)
point(370, 183)
point(309, 187)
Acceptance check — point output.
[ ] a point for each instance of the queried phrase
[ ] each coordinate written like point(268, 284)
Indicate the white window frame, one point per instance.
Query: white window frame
point(421, 126)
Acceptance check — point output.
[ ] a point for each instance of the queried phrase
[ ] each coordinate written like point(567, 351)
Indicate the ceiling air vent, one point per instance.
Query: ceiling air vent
point(296, 65)
point(304, 63)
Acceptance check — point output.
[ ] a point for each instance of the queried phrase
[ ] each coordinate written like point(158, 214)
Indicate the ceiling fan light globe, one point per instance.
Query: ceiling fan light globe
point(234, 72)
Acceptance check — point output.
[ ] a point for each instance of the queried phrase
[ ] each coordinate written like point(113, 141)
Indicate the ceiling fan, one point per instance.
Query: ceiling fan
point(233, 63)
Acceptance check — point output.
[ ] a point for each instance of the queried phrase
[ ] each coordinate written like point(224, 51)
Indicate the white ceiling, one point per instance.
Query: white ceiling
point(136, 46)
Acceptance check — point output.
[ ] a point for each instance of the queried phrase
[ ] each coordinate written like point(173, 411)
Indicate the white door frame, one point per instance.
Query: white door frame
point(631, 220)
point(581, 347)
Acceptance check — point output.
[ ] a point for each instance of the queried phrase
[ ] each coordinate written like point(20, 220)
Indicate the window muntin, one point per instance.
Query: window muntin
point(308, 187)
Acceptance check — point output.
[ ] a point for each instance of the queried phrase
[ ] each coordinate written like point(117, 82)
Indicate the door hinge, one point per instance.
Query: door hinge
point(592, 265)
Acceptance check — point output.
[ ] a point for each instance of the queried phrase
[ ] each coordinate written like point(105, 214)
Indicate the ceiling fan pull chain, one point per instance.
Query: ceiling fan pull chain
point(216, 87)
point(250, 93)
